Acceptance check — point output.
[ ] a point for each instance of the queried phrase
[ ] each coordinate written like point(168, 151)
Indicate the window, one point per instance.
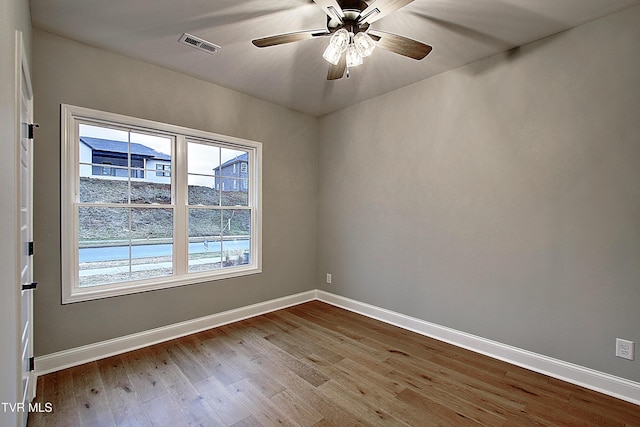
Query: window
point(127, 231)
point(163, 170)
point(106, 170)
point(243, 167)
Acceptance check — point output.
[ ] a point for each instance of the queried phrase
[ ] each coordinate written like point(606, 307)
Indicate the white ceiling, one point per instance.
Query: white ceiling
point(294, 75)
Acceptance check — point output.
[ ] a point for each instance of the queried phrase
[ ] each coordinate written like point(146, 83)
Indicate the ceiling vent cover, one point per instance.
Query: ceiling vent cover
point(199, 43)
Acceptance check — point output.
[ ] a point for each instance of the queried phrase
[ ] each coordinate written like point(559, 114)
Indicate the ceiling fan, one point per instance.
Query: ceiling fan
point(351, 39)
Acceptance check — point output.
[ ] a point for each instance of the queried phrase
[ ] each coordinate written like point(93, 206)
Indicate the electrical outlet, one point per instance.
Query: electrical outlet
point(329, 278)
point(625, 349)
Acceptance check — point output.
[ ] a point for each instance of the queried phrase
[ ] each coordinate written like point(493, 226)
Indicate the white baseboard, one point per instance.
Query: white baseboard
point(604, 383)
point(88, 353)
point(595, 380)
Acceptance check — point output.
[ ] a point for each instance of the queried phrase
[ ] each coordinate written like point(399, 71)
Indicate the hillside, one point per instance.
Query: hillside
point(111, 223)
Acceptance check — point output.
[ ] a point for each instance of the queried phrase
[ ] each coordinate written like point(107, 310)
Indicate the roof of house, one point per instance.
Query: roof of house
point(244, 157)
point(109, 145)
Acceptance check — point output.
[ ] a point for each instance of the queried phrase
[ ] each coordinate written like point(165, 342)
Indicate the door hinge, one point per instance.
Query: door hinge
point(28, 286)
point(32, 363)
point(30, 248)
point(32, 126)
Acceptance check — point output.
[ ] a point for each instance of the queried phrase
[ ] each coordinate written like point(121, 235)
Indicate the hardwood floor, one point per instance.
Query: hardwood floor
point(315, 365)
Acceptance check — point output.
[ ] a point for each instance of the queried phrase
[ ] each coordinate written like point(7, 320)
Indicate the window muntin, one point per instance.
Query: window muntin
point(159, 218)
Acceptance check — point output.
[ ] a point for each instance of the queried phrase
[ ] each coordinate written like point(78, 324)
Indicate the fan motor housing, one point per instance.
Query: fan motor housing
point(359, 5)
point(352, 10)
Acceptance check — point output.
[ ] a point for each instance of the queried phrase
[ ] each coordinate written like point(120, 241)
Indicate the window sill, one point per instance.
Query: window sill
point(88, 293)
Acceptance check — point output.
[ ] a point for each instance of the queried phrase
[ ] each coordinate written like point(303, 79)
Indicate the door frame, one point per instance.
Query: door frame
point(23, 85)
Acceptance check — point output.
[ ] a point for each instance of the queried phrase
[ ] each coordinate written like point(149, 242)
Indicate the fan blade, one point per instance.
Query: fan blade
point(331, 8)
point(381, 8)
point(289, 38)
point(401, 45)
point(337, 71)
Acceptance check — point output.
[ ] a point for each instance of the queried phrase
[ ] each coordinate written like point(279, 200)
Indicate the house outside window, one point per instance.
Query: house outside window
point(233, 174)
point(154, 217)
point(124, 159)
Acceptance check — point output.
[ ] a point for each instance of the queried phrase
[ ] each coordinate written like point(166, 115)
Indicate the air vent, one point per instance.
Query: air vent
point(198, 43)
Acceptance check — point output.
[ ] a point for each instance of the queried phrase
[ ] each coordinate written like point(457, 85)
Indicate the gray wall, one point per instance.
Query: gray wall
point(69, 72)
point(14, 15)
point(501, 199)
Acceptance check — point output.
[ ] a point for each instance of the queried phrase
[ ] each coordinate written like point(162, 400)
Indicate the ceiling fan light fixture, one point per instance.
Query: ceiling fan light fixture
point(347, 26)
point(340, 40)
point(353, 56)
point(337, 45)
point(364, 44)
point(332, 55)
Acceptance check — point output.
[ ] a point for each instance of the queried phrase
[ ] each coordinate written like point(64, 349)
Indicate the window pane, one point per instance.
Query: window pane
point(235, 192)
point(98, 190)
point(160, 144)
point(151, 243)
point(150, 193)
point(205, 229)
point(103, 132)
point(151, 224)
point(232, 162)
point(202, 191)
point(154, 154)
point(236, 237)
point(202, 158)
point(103, 245)
point(98, 226)
point(123, 244)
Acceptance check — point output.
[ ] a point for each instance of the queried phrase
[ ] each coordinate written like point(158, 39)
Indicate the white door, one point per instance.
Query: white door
point(26, 237)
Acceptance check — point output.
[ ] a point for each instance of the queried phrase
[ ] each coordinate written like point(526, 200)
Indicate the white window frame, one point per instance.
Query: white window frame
point(71, 117)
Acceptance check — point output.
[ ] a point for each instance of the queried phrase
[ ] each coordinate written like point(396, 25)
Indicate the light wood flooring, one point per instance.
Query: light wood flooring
point(315, 365)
